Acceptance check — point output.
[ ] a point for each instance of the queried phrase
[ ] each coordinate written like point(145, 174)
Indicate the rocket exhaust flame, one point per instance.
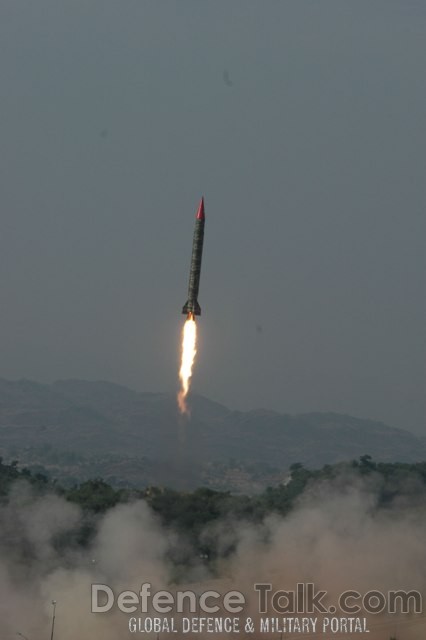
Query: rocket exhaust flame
point(189, 350)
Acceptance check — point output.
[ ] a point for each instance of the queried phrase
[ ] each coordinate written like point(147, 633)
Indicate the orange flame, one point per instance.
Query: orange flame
point(189, 343)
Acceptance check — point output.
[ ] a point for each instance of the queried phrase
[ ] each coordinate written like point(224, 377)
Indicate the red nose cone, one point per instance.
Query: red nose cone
point(200, 212)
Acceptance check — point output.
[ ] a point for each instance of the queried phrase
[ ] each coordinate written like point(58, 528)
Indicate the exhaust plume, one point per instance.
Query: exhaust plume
point(189, 350)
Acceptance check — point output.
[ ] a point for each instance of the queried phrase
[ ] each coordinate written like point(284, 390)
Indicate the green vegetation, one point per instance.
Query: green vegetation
point(192, 513)
point(9, 473)
point(95, 495)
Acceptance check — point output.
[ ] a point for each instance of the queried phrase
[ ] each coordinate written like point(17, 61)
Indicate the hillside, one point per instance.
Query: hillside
point(77, 429)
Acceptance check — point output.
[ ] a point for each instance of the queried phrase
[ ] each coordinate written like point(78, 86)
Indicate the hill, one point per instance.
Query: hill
point(76, 430)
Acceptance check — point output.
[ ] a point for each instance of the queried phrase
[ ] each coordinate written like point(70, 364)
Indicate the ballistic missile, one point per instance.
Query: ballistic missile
point(191, 306)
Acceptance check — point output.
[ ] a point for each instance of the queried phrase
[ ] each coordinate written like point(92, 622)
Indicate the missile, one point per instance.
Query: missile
point(191, 306)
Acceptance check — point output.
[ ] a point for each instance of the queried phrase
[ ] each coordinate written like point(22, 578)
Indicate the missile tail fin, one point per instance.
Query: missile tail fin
point(191, 307)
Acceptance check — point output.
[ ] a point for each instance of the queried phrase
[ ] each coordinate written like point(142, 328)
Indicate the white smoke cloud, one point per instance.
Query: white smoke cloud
point(335, 537)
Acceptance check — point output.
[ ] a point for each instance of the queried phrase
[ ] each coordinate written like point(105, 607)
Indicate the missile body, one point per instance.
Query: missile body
point(191, 306)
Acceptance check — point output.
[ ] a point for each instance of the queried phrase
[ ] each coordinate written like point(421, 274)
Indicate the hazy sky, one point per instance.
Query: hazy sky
point(304, 125)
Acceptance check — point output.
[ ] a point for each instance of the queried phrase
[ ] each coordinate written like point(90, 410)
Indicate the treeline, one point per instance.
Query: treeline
point(189, 513)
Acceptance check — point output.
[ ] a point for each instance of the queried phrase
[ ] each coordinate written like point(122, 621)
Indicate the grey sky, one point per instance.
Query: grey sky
point(302, 123)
